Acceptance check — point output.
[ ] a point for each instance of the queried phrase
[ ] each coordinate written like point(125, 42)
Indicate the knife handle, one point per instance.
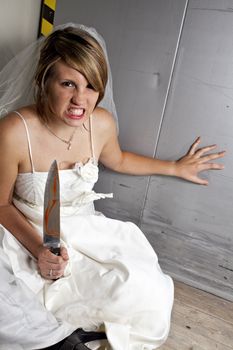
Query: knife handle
point(55, 251)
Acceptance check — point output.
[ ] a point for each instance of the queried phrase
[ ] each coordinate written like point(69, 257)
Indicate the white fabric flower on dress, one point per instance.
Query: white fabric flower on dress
point(88, 172)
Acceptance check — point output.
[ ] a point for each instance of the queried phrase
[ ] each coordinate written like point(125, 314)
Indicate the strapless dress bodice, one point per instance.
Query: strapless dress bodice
point(76, 186)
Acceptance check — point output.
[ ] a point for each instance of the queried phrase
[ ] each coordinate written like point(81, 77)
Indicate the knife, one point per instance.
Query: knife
point(51, 221)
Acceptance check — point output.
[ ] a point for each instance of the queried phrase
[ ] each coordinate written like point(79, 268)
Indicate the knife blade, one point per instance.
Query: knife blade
point(51, 220)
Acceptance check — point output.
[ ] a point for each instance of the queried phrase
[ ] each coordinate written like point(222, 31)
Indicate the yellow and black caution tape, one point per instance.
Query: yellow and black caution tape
point(47, 16)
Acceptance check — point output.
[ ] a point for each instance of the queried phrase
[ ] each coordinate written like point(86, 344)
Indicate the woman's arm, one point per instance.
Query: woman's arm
point(13, 149)
point(11, 152)
point(187, 167)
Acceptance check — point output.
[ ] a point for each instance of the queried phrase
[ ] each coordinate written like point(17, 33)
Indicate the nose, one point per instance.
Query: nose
point(78, 95)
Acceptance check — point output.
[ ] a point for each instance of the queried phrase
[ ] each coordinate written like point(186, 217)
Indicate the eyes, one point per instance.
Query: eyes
point(71, 84)
point(68, 84)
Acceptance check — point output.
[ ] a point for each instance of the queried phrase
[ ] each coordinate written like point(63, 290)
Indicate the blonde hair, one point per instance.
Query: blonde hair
point(81, 51)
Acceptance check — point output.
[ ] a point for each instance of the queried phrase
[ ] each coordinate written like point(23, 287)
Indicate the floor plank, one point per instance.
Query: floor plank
point(200, 321)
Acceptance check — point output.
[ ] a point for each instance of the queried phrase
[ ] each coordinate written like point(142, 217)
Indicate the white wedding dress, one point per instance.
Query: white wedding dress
point(113, 277)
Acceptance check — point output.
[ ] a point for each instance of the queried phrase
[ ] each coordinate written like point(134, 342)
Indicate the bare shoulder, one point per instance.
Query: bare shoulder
point(10, 127)
point(103, 121)
point(12, 130)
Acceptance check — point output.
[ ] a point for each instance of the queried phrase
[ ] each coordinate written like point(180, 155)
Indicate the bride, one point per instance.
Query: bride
point(107, 276)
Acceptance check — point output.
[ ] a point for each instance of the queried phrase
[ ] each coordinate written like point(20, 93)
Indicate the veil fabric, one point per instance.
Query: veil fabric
point(17, 77)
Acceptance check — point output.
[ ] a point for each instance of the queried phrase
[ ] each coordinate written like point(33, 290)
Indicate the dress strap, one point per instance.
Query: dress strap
point(28, 139)
point(92, 139)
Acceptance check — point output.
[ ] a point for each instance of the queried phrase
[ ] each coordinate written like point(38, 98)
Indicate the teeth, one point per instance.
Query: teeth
point(76, 111)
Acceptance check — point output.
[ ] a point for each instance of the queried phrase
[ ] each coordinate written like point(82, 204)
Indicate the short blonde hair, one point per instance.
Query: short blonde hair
point(81, 51)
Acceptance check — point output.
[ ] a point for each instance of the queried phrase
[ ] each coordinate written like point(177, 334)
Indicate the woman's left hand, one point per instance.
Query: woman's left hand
point(195, 161)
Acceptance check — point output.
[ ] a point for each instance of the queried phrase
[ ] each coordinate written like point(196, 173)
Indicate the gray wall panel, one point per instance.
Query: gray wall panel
point(19, 24)
point(191, 225)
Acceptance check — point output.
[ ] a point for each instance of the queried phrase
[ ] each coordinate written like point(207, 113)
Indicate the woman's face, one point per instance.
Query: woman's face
point(70, 97)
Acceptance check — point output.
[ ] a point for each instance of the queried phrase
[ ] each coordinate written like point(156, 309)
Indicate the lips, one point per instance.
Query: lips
point(76, 113)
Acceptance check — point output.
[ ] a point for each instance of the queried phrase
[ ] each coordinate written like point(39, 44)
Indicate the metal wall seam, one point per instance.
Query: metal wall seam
point(165, 104)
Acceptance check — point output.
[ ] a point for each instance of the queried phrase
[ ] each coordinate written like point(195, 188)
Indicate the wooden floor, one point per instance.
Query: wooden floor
point(200, 321)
